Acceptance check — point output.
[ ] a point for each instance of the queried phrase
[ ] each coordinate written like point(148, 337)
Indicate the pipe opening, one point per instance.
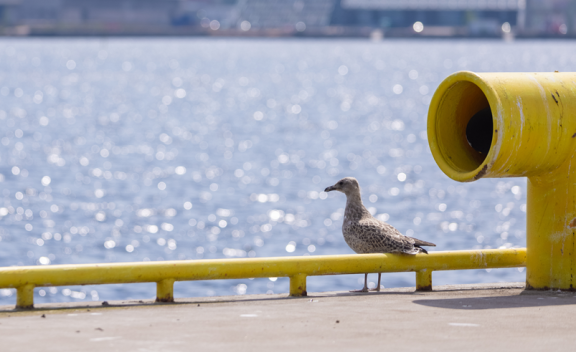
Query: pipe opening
point(463, 126)
point(479, 131)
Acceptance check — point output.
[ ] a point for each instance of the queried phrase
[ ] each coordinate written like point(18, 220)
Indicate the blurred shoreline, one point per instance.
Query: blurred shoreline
point(131, 30)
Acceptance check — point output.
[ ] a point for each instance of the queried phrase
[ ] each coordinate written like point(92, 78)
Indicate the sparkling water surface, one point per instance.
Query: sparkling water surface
point(124, 150)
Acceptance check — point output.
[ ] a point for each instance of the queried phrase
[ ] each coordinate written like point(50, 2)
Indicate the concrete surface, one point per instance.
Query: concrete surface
point(497, 317)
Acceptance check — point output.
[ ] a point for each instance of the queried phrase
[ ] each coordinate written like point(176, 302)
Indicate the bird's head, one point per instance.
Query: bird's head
point(347, 185)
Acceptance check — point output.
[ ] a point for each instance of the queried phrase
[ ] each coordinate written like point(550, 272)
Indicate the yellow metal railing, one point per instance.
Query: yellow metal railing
point(26, 278)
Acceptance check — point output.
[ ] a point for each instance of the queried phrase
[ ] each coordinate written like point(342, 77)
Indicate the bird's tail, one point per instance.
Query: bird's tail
point(419, 243)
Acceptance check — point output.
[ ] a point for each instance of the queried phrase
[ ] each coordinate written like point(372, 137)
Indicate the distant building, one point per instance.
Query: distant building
point(7, 8)
point(197, 12)
point(481, 17)
point(44, 12)
point(553, 17)
point(258, 13)
point(281, 13)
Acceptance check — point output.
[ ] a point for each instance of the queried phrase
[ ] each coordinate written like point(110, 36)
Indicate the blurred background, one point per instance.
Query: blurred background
point(376, 18)
point(183, 130)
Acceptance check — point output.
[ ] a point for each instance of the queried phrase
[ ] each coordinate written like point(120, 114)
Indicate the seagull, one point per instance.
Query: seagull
point(366, 234)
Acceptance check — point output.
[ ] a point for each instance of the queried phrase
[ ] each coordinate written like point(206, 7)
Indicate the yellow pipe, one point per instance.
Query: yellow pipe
point(424, 280)
point(25, 297)
point(118, 273)
point(165, 290)
point(533, 134)
point(297, 268)
point(298, 285)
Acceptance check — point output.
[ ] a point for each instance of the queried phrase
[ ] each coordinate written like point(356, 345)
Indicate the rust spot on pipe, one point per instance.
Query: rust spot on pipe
point(481, 173)
point(167, 298)
point(546, 288)
point(574, 135)
point(553, 97)
point(426, 288)
point(572, 223)
point(530, 287)
point(25, 307)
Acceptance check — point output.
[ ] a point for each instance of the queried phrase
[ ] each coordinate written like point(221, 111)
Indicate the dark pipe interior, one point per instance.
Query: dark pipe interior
point(479, 131)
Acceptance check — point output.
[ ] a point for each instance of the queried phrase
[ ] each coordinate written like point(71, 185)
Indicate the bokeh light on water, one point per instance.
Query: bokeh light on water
point(124, 150)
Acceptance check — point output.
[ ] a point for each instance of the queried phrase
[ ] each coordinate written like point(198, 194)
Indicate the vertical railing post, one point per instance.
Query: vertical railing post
point(25, 297)
point(424, 280)
point(298, 285)
point(165, 290)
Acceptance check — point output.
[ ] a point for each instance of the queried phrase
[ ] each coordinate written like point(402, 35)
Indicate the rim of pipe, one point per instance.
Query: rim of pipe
point(456, 100)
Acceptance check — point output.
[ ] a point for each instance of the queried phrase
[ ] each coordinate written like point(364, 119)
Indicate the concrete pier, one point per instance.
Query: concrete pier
point(495, 317)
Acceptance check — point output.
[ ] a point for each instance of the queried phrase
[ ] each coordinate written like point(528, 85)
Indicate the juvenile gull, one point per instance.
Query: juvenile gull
point(365, 234)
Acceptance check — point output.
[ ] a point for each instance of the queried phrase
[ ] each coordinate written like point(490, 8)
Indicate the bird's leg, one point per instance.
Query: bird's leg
point(365, 289)
point(377, 289)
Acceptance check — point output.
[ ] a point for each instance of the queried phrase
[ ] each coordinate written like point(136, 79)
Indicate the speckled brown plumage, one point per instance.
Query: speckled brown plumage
point(365, 234)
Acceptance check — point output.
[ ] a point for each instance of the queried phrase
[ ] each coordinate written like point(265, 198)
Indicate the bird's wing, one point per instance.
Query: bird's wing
point(383, 237)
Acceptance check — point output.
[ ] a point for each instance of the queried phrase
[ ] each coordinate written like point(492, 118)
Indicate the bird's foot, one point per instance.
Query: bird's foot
point(365, 289)
point(377, 289)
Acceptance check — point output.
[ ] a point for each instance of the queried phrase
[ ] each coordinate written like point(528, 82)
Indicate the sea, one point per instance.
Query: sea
point(153, 149)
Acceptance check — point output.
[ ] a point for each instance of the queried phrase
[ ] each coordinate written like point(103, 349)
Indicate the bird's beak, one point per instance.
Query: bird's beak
point(328, 189)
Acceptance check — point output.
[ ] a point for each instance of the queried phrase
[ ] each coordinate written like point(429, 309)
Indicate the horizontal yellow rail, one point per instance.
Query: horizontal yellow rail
point(25, 278)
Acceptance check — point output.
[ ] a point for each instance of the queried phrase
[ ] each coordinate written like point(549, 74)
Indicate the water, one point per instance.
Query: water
point(118, 150)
